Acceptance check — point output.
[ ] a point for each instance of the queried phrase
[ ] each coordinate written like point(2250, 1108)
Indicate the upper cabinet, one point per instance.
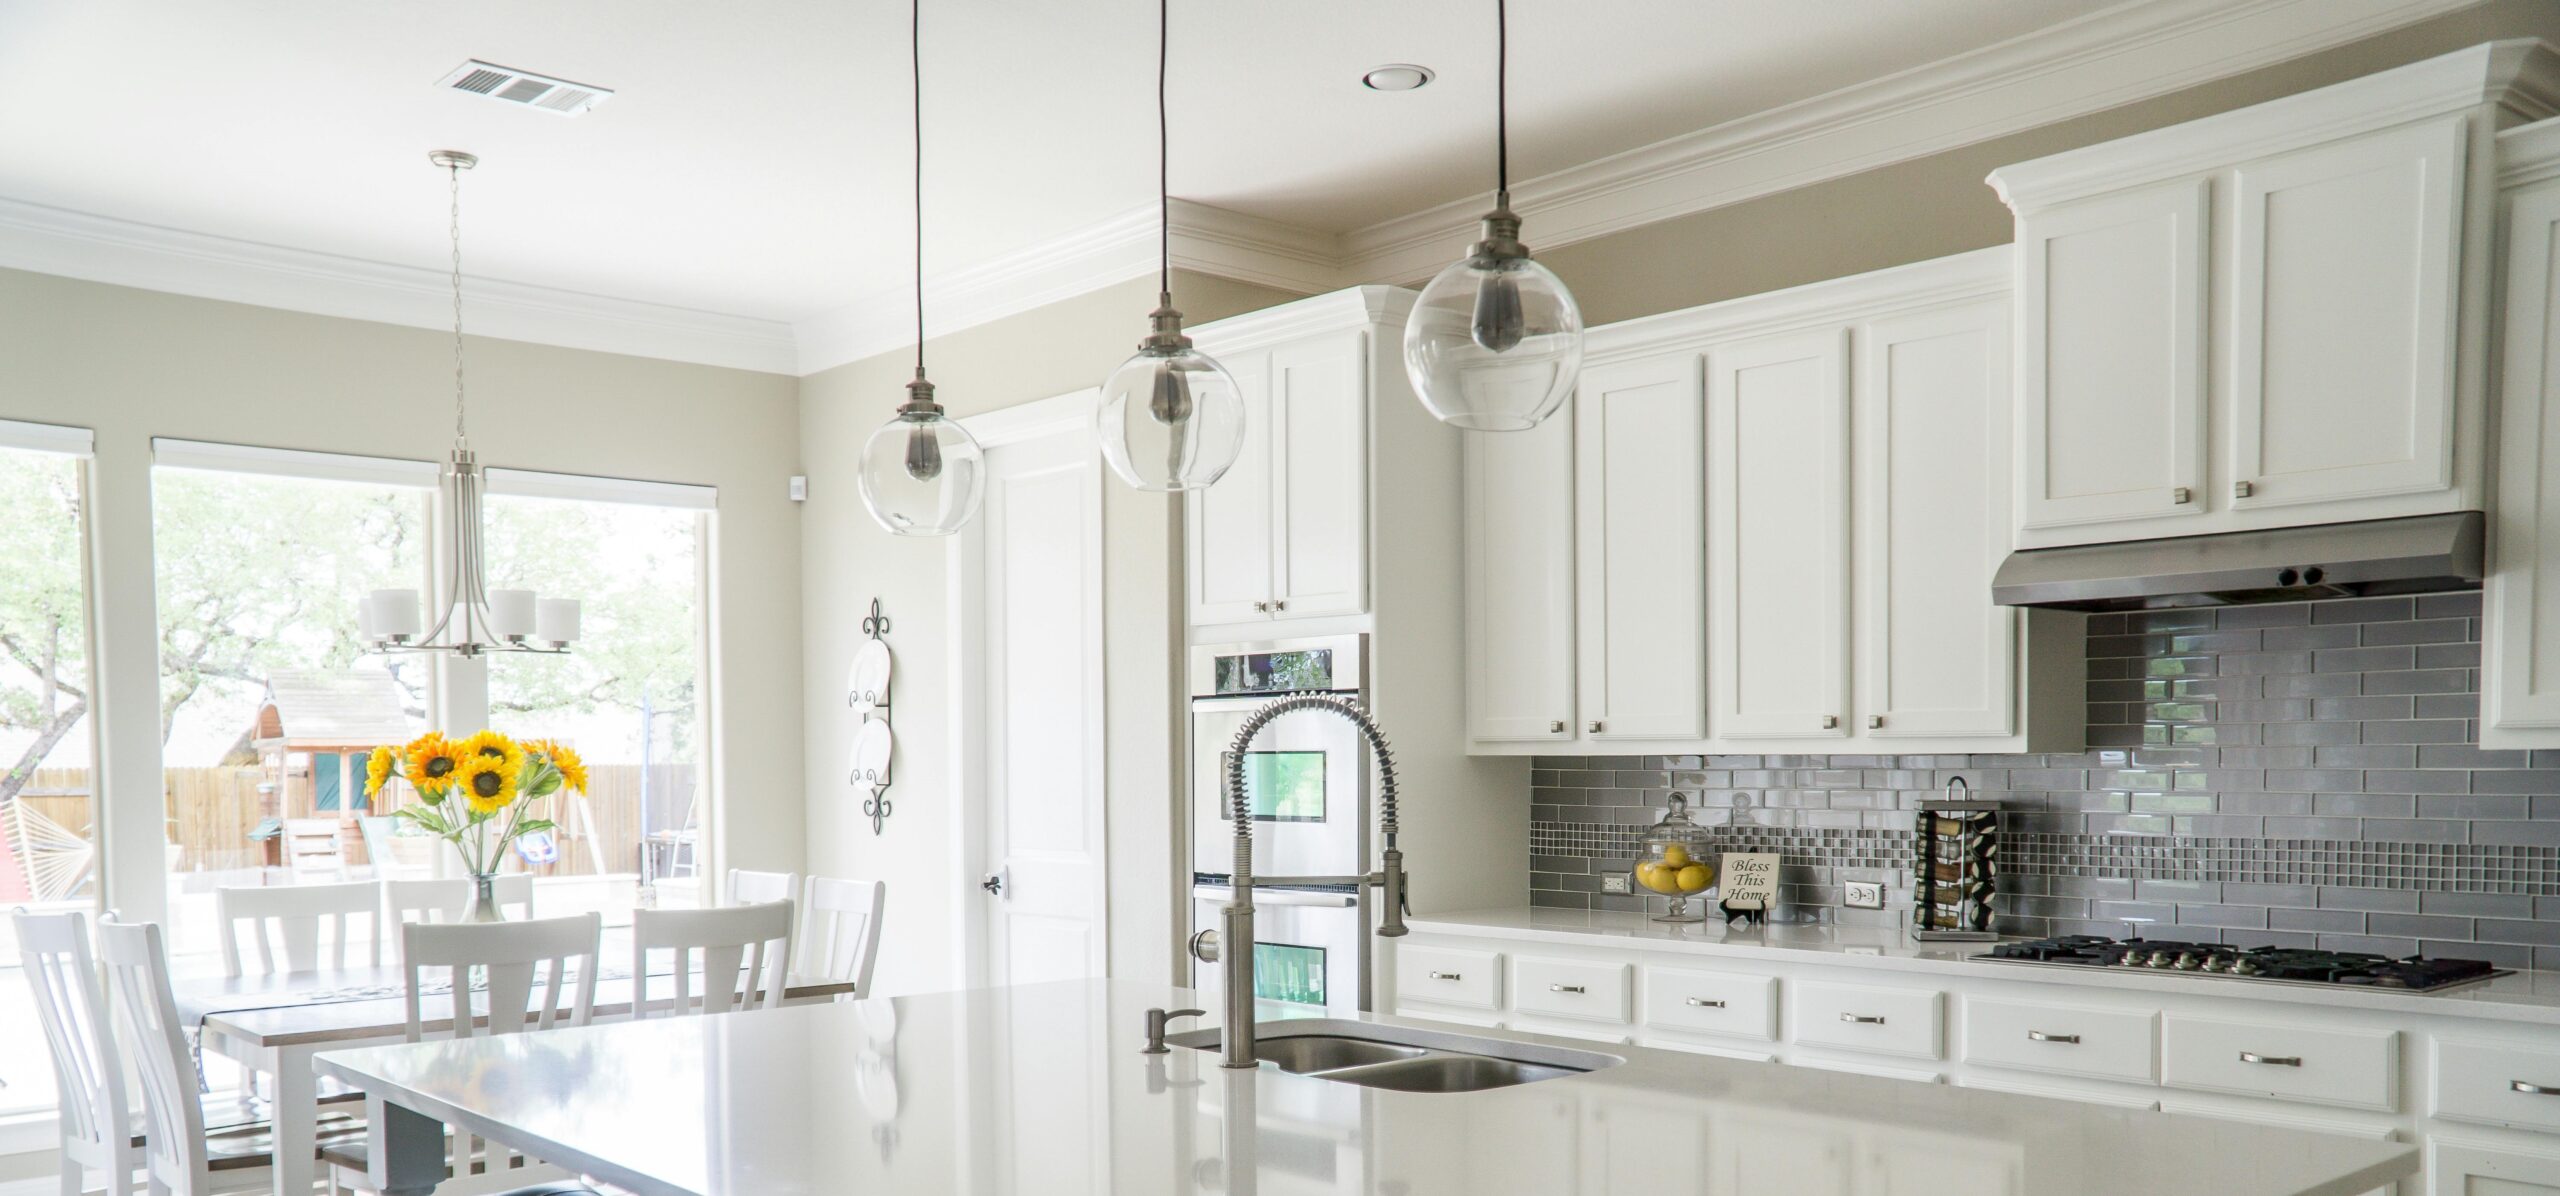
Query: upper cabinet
point(1778, 535)
point(2270, 317)
point(1639, 468)
point(2520, 624)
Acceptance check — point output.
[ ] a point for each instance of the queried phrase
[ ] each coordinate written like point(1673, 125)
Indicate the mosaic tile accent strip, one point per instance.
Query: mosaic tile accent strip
point(2298, 774)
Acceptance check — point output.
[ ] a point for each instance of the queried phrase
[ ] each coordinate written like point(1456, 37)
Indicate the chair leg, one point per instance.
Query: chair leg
point(72, 1177)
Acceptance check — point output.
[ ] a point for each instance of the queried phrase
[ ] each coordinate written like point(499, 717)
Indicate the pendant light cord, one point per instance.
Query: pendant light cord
point(454, 173)
point(1502, 100)
point(1164, 170)
point(915, 50)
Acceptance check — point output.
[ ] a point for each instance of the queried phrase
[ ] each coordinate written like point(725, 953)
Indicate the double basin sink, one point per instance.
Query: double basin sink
point(1401, 1058)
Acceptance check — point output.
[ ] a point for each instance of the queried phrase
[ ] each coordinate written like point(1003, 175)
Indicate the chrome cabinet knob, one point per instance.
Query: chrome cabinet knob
point(2181, 496)
point(1279, 604)
point(1875, 722)
point(1264, 607)
point(2242, 489)
point(1830, 722)
point(1595, 726)
point(1555, 727)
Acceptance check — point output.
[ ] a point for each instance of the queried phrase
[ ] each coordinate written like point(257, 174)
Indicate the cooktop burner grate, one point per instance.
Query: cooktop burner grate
point(2290, 965)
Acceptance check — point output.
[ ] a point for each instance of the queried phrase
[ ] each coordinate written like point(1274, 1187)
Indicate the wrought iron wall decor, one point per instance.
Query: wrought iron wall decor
point(867, 691)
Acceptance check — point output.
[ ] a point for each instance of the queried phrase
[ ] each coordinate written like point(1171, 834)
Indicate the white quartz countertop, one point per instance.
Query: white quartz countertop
point(1042, 1089)
point(2531, 997)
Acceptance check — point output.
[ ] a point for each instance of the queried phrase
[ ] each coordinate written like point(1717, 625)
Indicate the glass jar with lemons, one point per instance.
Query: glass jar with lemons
point(1674, 859)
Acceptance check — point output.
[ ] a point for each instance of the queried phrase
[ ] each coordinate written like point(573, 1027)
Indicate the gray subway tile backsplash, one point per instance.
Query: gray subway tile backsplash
point(2294, 774)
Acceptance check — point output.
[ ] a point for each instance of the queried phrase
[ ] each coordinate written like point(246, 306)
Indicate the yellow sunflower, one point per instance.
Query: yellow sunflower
point(490, 743)
point(433, 759)
point(573, 771)
point(487, 782)
point(378, 768)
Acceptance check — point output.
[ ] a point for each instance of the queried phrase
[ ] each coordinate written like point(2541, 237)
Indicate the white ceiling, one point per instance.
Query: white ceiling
point(755, 162)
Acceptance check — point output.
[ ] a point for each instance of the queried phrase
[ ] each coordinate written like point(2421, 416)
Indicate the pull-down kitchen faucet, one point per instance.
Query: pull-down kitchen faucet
point(1231, 946)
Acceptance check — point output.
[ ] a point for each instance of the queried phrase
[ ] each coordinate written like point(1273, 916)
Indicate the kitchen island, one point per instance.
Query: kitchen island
point(1043, 1089)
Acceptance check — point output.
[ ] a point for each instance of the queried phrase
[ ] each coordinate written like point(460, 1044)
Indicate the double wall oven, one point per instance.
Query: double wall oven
point(1307, 784)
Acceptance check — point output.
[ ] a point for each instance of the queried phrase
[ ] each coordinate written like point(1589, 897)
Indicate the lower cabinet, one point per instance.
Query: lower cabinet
point(2459, 1168)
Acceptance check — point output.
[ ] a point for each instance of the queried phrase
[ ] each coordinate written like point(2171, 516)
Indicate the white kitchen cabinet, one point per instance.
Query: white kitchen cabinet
point(1284, 535)
point(1778, 536)
point(2456, 1167)
point(2270, 317)
point(1520, 582)
point(1640, 544)
point(2520, 624)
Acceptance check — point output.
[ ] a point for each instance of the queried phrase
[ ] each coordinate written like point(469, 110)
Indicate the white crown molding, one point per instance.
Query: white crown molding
point(2502, 73)
point(2113, 57)
point(1317, 313)
point(1980, 274)
point(49, 240)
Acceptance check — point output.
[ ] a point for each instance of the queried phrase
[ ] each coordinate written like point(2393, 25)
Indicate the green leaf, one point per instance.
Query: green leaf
point(530, 825)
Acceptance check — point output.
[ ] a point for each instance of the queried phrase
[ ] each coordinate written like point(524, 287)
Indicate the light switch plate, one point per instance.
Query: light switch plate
point(1865, 894)
point(1613, 884)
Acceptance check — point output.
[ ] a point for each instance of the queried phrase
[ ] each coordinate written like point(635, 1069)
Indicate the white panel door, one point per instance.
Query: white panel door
point(1040, 616)
point(2111, 393)
point(1320, 462)
point(2343, 300)
point(1640, 548)
point(1229, 530)
point(1778, 536)
point(1936, 657)
point(1518, 503)
point(2520, 657)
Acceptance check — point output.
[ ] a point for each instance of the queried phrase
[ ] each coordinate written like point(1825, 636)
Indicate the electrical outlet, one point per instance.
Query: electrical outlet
point(1865, 894)
point(1613, 884)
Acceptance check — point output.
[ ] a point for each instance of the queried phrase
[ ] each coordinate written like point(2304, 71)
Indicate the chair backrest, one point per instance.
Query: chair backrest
point(448, 899)
point(311, 848)
point(744, 951)
point(840, 930)
point(146, 1017)
point(758, 888)
point(295, 914)
point(524, 969)
point(88, 1077)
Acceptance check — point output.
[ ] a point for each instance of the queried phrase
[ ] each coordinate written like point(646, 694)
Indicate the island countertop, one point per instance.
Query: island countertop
point(1042, 1089)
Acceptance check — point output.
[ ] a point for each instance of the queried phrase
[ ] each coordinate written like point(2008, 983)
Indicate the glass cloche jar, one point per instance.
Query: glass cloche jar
point(1674, 859)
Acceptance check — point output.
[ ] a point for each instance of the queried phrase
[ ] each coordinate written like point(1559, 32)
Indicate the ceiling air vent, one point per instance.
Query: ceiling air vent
point(505, 83)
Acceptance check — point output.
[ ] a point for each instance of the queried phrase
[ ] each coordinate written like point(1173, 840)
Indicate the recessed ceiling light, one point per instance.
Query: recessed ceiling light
point(1397, 76)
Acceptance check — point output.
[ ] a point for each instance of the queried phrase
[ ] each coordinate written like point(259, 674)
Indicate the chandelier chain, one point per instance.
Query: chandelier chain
point(1164, 152)
point(454, 171)
point(915, 54)
point(1502, 99)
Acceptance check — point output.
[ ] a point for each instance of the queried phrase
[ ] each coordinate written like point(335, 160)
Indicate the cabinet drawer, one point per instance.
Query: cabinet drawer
point(1449, 976)
point(1711, 1003)
point(1883, 1021)
point(2498, 1083)
point(1570, 988)
point(2106, 1044)
point(2359, 1069)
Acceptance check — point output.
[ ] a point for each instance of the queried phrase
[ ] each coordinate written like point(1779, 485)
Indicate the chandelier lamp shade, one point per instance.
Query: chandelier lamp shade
point(921, 474)
point(473, 619)
point(1171, 418)
point(1495, 341)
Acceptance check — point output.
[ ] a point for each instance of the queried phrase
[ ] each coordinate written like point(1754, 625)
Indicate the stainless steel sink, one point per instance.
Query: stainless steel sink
point(1402, 1058)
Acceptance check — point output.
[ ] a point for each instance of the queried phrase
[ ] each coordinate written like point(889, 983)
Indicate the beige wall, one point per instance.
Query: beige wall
point(132, 365)
point(1932, 207)
point(848, 560)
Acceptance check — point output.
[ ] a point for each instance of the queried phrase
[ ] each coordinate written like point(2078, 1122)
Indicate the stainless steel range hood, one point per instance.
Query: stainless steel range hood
point(2383, 556)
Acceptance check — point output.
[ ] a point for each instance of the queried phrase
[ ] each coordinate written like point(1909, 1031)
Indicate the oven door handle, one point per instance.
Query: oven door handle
point(1241, 703)
point(1263, 896)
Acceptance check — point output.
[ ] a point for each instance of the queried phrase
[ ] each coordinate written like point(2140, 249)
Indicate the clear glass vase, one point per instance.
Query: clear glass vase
point(484, 898)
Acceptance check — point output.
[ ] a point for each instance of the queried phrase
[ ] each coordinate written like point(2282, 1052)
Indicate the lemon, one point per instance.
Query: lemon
point(1695, 877)
point(1645, 871)
point(1675, 856)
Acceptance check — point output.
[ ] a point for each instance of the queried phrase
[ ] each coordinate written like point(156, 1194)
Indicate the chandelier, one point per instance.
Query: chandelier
point(476, 620)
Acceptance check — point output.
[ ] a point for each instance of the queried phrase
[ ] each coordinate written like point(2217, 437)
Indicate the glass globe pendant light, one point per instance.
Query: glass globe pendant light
point(922, 474)
point(1171, 417)
point(1495, 342)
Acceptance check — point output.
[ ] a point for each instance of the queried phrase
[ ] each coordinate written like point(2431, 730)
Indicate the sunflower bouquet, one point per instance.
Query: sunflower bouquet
point(475, 792)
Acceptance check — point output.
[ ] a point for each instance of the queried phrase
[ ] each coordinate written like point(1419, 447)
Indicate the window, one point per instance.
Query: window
point(47, 815)
point(268, 699)
point(629, 698)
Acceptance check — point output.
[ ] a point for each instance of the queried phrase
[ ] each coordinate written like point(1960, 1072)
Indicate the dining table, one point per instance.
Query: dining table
point(274, 1023)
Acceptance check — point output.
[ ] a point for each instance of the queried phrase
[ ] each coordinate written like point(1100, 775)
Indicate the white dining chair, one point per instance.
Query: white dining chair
point(448, 899)
point(757, 888)
point(745, 954)
point(839, 934)
point(296, 915)
point(177, 1156)
point(91, 1113)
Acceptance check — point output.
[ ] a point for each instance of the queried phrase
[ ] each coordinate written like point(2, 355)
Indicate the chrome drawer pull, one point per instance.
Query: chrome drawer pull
point(2532, 1089)
point(2041, 1036)
point(1444, 976)
point(1564, 988)
point(2271, 1060)
point(1861, 1019)
point(1703, 1003)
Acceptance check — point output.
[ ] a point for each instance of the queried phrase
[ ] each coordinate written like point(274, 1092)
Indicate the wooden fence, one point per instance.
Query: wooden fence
point(212, 810)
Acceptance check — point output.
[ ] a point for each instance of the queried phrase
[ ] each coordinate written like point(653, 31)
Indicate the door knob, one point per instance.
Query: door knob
point(994, 883)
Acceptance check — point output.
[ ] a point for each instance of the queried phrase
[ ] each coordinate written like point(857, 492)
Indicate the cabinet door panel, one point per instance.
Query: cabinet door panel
point(1640, 545)
point(2343, 305)
point(2111, 338)
point(1778, 536)
point(2520, 664)
point(1935, 656)
point(1229, 537)
point(1320, 528)
point(2459, 1168)
point(1519, 545)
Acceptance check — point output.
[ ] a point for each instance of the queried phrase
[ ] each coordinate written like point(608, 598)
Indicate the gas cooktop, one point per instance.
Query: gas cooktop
point(2279, 964)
